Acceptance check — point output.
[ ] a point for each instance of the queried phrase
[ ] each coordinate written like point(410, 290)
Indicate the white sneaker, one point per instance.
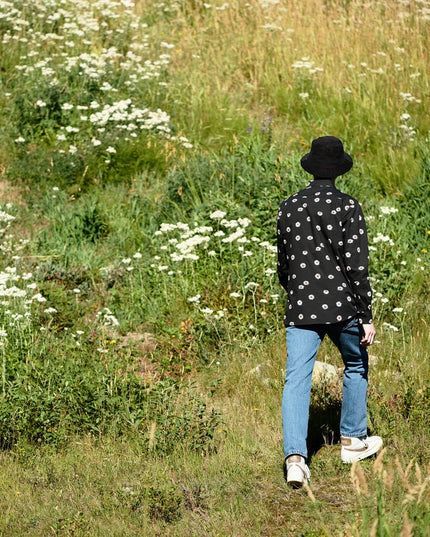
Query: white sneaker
point(297, 471)
point(357, 449)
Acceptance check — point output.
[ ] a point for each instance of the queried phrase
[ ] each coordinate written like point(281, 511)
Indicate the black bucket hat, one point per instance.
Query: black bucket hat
point(326, 158)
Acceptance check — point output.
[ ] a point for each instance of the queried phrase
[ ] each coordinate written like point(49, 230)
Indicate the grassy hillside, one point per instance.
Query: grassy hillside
point(144, 152)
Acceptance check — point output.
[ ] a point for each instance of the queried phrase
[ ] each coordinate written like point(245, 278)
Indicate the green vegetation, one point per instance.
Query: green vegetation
point(144, 152)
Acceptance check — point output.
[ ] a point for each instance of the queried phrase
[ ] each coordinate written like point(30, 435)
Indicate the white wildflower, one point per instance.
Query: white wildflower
point(391, 327)
point(388, 210)
point(244, 222)
point(238, 233)
point(383, 238)
point(107, 317)
point(229, 223)
point(217, 214)
point(39, 298)
point(167, 227)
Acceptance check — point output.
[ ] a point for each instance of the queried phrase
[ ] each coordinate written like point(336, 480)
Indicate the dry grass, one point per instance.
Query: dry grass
point(10, 193)
point(236, 63)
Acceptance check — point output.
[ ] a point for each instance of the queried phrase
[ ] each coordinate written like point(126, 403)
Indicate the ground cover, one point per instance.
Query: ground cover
point(144, 152)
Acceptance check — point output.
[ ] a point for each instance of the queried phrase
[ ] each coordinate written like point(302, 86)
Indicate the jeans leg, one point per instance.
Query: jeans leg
point(353, 421)
point(302, 347)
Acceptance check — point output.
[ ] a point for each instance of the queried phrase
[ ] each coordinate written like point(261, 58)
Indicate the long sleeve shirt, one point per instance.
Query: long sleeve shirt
point(323, 256)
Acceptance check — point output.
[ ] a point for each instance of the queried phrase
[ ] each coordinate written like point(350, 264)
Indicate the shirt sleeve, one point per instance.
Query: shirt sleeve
point(282, 254)
point(357, 261)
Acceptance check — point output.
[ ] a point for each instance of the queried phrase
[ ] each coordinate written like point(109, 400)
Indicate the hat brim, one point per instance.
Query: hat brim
point(326, 169)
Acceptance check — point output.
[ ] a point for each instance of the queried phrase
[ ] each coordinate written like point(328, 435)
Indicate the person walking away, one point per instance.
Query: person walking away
point(323, 267)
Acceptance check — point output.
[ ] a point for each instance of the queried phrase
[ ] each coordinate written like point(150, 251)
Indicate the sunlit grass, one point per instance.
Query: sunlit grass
point(145, 151)
point(317, 68)
point(108, 487)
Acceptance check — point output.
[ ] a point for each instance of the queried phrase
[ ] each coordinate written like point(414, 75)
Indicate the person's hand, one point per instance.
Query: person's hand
point(369, 335)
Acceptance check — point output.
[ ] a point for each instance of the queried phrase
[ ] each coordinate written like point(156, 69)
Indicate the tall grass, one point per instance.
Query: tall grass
point(242, 64)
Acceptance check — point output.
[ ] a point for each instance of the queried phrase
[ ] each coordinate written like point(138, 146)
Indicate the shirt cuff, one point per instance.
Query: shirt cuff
point(365, 318)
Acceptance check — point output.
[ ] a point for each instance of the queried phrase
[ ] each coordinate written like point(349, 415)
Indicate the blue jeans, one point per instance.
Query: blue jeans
point(302, 346)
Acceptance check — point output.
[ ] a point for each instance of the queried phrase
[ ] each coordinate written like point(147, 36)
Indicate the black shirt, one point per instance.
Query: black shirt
point(323, 256)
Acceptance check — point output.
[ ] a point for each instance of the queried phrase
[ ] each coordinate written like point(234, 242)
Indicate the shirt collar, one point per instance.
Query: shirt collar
point(321, 183)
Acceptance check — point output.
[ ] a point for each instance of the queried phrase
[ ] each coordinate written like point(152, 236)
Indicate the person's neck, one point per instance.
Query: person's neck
point(326, 180)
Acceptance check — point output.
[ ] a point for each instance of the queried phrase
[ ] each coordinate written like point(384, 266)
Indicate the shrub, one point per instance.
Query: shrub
point(251, 177)
point(45, 167)
point(49, 399)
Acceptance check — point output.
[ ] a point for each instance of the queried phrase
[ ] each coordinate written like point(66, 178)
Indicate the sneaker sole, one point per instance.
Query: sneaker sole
point(359, 455)
point(295, 484)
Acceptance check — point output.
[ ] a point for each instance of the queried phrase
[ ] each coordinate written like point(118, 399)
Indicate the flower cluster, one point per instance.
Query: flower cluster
point(19, 298)
point(189, 241)
point(107, 318)
point(383, 238)
point(388, 210)
point(74, 45)
point(307, 65)
point(226, 242)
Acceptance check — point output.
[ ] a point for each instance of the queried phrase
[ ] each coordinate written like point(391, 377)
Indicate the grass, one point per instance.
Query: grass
point(184, 490)
point(128, 481)
point(141, 339)
point(105, 486)
point(361, 49)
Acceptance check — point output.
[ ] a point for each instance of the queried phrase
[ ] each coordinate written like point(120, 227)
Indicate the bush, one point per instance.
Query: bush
point(50, 399)
point(251, 177)
point(45, 167)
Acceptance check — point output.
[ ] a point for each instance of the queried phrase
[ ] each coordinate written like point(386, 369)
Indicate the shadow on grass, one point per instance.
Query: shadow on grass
point(323, 426)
